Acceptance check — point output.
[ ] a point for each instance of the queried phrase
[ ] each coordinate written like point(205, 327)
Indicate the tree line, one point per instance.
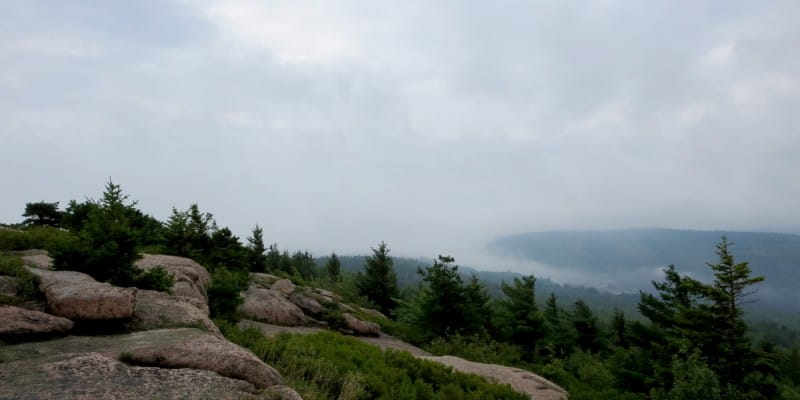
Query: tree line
point(691, 341)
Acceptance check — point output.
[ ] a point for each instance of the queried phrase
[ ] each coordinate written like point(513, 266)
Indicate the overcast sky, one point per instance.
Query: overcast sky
point(432, 125)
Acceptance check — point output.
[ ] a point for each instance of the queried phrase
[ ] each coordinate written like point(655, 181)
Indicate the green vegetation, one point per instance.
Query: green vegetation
point(378, 283)
point(331, 366)
point(27, 284)
point(686, 339)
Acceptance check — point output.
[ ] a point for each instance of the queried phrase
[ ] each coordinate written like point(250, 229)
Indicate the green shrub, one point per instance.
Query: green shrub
point(32, 238)
point(27, 284)
point(224, 293)
point(331, 366)
point(154, 279)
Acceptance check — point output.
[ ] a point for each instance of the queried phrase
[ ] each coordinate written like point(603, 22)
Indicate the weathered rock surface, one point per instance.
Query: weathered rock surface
point(270, 306)
point(263, 280)
point(191, 279)
point(96, 376)
point(37, 259)
point(211, 354)
point(360, 327)
point(308, 304)
point(8, 286)
point(328, 295)
point(76, 295)
point(284, 286)
point(282, 393)
point(156, 310)
point(19, 324)
point(85, 367)
point(520, 380)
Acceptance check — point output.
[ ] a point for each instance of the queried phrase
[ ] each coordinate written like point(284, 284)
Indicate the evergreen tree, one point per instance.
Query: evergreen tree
point(42, 214)
point(105, 246)
point(519, 320)
point(273, 259)
point(378, 283)
point(586, 328)
point(732, 354)
point(303, 263)
point(619, 329)
point(188, 233)
point(333, 268)
point(257, 257)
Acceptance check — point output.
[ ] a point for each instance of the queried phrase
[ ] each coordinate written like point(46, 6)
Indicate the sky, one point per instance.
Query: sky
point(435, 126)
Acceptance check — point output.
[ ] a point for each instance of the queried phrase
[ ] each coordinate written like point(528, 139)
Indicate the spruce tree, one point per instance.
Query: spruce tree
point(333, 268)
point(257, 257)
point(378, 283)
point(518, 318)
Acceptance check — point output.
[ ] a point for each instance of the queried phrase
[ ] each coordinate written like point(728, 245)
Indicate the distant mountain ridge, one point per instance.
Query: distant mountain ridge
point(635, 253)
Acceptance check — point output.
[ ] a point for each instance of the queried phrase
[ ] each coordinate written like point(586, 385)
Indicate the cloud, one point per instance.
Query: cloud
point(431, 125)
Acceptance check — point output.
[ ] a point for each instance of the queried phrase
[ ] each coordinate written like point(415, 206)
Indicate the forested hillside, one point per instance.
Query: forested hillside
point(630, 256)
point(692, 340)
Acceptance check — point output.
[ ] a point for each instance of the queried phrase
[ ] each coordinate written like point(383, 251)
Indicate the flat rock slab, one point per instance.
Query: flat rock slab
point(96, 376)
point(211, 354)
point(76, 295)
point(520, 380)
point(18, 324)
point(157, 310)
point(361, 327)
point(186, 349)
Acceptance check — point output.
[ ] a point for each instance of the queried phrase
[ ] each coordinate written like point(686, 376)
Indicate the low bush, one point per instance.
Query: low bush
point(154, 279)
point(27, 284)
point(331, 366)
point(224, 293)
point(32, 238)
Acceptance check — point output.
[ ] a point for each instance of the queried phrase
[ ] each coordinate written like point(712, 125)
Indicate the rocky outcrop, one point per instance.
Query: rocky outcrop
point(211, 354)
point(76, 295)
point(284, 286)
point(8, 287)
point(37, 259)
point(519, 380)
point(19, 324)
point(169, 364)
point(156, 310)
point(361, 327)
point(191, 279)
point(270, 306)
point(96, 376)
point(308, 304)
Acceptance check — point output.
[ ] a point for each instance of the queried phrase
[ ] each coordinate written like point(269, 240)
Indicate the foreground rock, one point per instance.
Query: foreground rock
point(211, 354)
point(360, 327)
point(520, 380)
point(76, 295)
point(180, 363)
point(18, 324)
point(191, 279)
point(96, 376)
point(266, 305)
point(157, 310)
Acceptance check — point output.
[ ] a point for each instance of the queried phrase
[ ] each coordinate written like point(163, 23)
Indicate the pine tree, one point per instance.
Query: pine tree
point(586, 329)
point(105, 245)
point(732, 284)
point(519, 319)
point(42, 214)
point(257, 256)
point(333, 268)
point(378, 283)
